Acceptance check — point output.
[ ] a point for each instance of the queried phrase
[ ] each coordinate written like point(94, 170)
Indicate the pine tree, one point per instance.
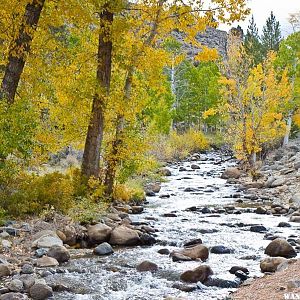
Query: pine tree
point(271, 36)
point(252, 44)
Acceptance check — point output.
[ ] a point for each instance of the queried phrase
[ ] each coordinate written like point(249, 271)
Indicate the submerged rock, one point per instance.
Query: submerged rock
point(147, 266)
point(184, 287)
point(192, 243)
point(234, 269)
point(258, 228)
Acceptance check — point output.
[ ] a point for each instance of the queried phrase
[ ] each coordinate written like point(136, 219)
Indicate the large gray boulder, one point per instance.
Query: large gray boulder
point(46, 239)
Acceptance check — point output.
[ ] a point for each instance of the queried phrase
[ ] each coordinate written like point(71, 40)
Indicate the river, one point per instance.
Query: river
point(115, 277)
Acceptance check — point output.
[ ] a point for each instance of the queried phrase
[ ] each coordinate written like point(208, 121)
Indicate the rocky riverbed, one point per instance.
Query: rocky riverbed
point(199, 235)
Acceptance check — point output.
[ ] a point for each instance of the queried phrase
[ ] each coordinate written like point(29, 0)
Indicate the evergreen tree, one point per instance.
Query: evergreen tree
point(271, 36)
point(252, 44)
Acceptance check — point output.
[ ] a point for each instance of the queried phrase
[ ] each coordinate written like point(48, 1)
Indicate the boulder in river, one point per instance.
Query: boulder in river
point(165, 172)
point(98, 233)
point(176, 256)
point(40, 291)
point(231, 173)
point(201, 274)
point(270, 264)
point(147, 266)
point(221, 283)
point(195, 167)
point(192, 243)
point(280, 247)
point(13, 296)
point(195, 252)
point(154, 187)
point(184, 287)
point(284, 224)
point(164, 251)
point(260, 210)
point(124, 236)
point(258, 228)
point(234, 269)
point(220, 249)
point(46, 261)
point(240, 274)
point(60, 253)
point(103, 249)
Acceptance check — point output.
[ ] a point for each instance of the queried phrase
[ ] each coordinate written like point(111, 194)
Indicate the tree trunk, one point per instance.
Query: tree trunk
point(117, 144)
point(92, 150)
point(114, 159)
point(253, 158)
point(19, 49)
point(288, 130)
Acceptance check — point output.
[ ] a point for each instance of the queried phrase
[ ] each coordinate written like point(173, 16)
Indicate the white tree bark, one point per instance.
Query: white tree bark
point(288, 130)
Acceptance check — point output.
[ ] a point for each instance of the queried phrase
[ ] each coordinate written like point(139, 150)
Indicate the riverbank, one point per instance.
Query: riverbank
point(194, 224)
point(283, 285)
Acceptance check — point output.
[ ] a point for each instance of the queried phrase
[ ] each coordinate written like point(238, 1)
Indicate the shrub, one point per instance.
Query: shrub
point(178, 146)
point(132, 190)
point(85, 210)
point(22, 193)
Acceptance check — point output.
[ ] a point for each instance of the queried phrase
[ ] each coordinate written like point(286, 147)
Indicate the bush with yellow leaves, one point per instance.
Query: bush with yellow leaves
point(28, 194)
point(179, 146)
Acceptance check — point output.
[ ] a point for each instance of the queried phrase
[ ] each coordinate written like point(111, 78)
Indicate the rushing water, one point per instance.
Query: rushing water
point(115, 277)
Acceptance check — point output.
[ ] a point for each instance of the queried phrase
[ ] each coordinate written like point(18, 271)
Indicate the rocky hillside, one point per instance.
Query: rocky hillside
point(212, 38)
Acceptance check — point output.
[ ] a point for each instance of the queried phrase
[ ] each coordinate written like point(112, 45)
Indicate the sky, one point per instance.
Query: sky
point(261, 9)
